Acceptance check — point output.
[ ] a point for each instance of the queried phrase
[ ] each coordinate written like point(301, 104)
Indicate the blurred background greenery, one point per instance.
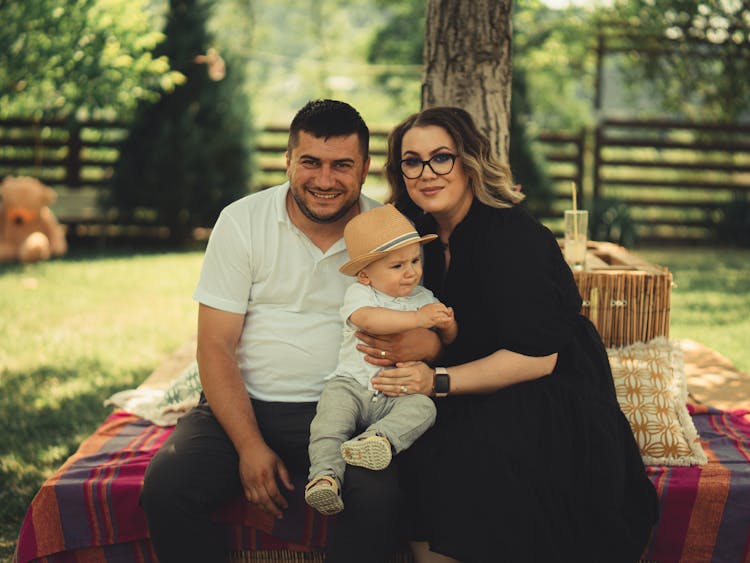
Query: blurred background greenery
point(103, 57)
point(195, 84)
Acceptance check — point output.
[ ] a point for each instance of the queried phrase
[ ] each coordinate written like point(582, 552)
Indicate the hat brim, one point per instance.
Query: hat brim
point(352, 267)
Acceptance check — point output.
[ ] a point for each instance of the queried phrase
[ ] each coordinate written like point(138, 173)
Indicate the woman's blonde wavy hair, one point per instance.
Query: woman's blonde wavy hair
point(490, 180)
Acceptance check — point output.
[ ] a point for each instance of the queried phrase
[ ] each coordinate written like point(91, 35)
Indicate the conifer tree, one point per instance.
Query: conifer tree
point(186, 156)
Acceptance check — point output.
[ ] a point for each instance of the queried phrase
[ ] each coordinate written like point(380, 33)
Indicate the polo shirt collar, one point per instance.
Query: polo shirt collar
point(386, 298)
point(282, 216)
point(280, 204)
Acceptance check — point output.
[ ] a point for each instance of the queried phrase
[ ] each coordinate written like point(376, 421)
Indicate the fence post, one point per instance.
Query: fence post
point(599, 78)
point(581, 147)
point(598, 132)
point(73, 158)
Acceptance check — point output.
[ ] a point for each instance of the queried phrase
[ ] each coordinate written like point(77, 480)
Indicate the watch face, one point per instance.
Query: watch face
point(442, 383)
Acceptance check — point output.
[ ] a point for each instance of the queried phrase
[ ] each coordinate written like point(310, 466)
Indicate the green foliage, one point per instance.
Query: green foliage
point(232, 23)
point(186, 156)
point(610, 221)
point(526, 163)
point(59, 57)
point(693, 55)
point(395, 41)
point(733, 226)
point(305, 50)
point(554, 50)
point(399, 39)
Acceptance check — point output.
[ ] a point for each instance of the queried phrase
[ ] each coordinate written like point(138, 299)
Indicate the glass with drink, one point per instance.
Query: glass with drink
point(576, 238)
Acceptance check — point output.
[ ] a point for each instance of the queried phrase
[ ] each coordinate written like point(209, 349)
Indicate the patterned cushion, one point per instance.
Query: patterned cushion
point(651, 389)
point(162, 406)
point(184, 392)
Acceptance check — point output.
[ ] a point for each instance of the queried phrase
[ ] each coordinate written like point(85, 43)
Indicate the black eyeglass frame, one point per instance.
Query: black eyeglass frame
point(428, 162)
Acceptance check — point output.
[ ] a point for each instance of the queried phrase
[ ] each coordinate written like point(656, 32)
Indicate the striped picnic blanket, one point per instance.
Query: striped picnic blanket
point(88, 510)
point(705, 511)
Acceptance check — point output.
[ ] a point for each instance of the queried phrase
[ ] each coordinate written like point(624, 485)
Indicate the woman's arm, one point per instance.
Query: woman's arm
point(500, 369)
point(485, 375)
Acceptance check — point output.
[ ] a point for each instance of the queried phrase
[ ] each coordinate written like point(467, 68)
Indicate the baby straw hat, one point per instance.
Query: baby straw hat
point(376, 233)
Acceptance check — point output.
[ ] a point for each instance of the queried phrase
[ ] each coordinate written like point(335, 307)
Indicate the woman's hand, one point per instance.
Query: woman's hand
point(407, 378)
point(410, 345)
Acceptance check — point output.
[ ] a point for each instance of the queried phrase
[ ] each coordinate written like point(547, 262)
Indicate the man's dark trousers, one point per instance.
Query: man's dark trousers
point(196, 471)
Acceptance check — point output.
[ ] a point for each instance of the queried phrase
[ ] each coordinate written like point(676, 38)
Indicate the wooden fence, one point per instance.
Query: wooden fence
point(564, 157)
point(75, 158)
point(676, 179)
point(563, 153)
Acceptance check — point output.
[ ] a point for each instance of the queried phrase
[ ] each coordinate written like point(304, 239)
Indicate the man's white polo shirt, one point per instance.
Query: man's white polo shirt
point(259, 264)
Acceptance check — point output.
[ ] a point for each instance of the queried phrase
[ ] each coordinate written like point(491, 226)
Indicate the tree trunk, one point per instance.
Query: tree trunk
point(467, 63)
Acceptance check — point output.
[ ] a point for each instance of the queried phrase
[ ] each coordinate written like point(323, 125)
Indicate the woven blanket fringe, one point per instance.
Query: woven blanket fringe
point(274, 556)
point(289, 556)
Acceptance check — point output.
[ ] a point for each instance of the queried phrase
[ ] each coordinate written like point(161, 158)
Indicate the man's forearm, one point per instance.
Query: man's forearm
point(420, 344)
point(433, 348)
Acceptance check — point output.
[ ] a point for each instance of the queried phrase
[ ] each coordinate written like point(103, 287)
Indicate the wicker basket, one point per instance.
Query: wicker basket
point(625, 297)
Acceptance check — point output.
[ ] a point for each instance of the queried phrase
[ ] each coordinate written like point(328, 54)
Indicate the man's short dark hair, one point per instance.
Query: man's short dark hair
point(329, 118)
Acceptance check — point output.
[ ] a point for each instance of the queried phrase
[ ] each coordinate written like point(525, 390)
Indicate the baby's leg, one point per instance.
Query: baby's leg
point(398, 423)
point(404, 420)
point(335, 421)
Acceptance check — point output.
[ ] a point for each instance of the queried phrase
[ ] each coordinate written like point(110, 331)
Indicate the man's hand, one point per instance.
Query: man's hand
point(410, 345)
point(258, 471)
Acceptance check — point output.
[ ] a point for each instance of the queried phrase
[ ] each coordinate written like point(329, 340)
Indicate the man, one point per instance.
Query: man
point(268, 334)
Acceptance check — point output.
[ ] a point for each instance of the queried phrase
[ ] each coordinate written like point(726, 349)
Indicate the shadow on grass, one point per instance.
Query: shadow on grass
point(91, 254)
point(45, 414)
point(89, 250)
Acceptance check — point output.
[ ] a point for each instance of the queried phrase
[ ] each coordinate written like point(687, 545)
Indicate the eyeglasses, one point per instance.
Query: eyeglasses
point(441, 164)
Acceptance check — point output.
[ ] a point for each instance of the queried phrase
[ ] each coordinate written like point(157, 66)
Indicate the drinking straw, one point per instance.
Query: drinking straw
point(573, 189)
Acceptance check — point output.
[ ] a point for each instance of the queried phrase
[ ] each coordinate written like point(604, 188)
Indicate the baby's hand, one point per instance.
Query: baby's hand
point(434, 314)
point(448, 321)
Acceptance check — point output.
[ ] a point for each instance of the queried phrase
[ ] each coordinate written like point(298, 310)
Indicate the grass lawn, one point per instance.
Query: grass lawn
point(73, 332)
point(711, 298)
point(76, 330)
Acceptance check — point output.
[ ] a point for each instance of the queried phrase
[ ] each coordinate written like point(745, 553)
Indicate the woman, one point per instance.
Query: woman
point(531, 458)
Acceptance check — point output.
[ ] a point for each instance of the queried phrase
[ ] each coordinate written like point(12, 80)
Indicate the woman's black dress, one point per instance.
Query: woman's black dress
point(544, 471)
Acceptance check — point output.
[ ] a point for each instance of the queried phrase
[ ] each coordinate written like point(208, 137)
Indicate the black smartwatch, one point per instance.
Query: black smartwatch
point(441, 384)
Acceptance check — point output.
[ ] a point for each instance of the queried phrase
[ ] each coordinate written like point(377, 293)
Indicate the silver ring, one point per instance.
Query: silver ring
point(404, 389)
point(382, 353)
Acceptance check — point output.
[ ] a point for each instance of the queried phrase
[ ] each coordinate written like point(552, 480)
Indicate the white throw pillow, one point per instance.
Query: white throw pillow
point(652, 392)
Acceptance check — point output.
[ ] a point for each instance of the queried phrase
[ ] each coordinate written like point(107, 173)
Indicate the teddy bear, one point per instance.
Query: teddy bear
point(29, 230)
